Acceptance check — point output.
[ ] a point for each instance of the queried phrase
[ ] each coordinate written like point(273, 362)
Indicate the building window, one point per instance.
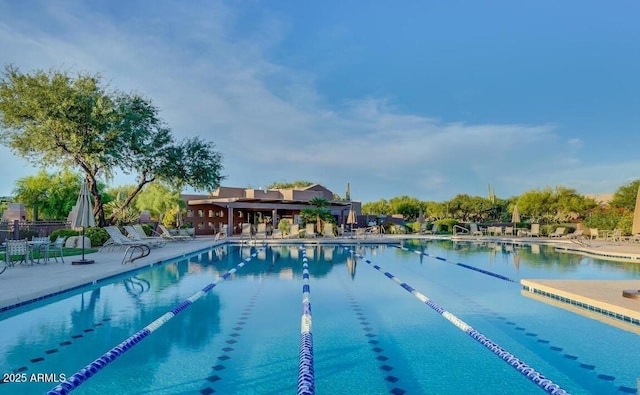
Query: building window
point(200, 225)
point(200, 213)
point(211, 214)
point(189, 213)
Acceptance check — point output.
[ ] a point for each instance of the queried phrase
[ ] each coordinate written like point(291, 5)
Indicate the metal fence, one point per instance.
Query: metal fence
point(26, 230)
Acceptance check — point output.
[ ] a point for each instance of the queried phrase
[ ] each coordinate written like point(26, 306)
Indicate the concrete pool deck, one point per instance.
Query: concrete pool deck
point(24, 284)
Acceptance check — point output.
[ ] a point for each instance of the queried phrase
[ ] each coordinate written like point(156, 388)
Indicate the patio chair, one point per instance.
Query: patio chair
point(594, 234)
point(328, 230)
point(222, 233)
point(309, 231)
point(56, 248)
point(18, 248)
point(169, 236)
point(559, 232)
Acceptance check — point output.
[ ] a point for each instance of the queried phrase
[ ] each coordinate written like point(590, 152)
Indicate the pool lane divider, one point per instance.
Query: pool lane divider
point(492, 274)
point(530, 373)
point(306, 376)
point(94, 367)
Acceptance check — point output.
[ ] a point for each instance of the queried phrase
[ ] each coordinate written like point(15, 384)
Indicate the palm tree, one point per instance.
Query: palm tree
point(320, 203)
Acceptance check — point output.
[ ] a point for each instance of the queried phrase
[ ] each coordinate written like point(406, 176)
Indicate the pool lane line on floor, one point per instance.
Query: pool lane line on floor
point(530, 373)
point(545, 345)
point(306, 377)
point(492, 274)
point(386, 366)
point(94, 367)
point(231, 342)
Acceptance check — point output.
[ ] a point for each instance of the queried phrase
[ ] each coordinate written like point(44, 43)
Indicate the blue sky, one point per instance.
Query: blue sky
point(423, 98)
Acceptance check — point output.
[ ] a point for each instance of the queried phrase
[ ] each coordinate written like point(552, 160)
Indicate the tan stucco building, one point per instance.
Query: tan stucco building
point(234, 206)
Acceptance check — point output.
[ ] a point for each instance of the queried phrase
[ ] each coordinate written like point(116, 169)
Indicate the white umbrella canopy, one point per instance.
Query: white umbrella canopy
point(635, 228)
point(82, 217)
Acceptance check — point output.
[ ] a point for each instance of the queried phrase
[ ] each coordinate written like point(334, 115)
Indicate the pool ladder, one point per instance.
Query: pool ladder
point(142, 249)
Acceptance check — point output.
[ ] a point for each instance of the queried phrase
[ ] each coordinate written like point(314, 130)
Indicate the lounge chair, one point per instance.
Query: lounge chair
point(328, 230)
point(164, 233)
point(309, 231)
point(134, 235)
point(559, 232)
point(247, 231)
point(594, 234)
point(294, 232)
point(473, 229)
point(535, 230)
point(360, 233)
point(578, 234)
point(508, 231)
point(222, 233)
point(261, 231)
point(117, 239)
point(432, 231)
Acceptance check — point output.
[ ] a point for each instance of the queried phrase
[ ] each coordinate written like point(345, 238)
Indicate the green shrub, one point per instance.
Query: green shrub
point(446, 225)
point(285, 226)
point(98, 236)
point(148, 229)
point(28, 234)
point(63, 233)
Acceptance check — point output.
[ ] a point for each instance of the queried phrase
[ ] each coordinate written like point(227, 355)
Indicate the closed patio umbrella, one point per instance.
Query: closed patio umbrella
point(351, 218)
point(635, 228)
point(83, 218)
point(515, 217)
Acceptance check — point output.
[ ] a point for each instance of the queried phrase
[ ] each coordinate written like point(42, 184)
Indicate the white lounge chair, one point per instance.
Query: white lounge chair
point(294, 232)
point(165, 233)
point(117, 239)
point(247, 231)
point(135, 235)
point(473, 229)
point(535, 230)
point(559, 232)
point(309, 231)
point(261, 231)
point(328, 230)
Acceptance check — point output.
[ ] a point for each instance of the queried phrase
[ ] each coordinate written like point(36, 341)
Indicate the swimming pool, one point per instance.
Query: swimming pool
point(369, 335)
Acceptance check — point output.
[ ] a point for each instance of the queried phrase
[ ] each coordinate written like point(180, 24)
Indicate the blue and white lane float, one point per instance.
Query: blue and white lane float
point(306, 378)
point(94, 367)
point(526, 370)
point(492, 274)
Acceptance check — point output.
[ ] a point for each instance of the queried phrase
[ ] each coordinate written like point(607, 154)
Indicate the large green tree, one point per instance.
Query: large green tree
point(54, 119)
point(48, 196)
point(625, 196)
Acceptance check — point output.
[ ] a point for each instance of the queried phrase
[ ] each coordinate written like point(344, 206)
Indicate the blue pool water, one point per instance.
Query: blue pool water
point(370, 335)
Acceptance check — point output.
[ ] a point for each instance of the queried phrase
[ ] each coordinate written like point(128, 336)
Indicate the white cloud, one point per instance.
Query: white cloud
point(270, 121)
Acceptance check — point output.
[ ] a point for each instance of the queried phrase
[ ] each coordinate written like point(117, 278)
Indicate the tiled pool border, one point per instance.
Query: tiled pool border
point(605, 312)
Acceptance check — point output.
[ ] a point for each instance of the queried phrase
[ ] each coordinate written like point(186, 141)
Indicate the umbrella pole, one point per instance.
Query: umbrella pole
point(83, 243)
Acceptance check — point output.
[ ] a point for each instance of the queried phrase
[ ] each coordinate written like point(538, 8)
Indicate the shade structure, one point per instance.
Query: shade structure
point(421, 217)
point(515, 217)
point(82, 217)
point(635, 227)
